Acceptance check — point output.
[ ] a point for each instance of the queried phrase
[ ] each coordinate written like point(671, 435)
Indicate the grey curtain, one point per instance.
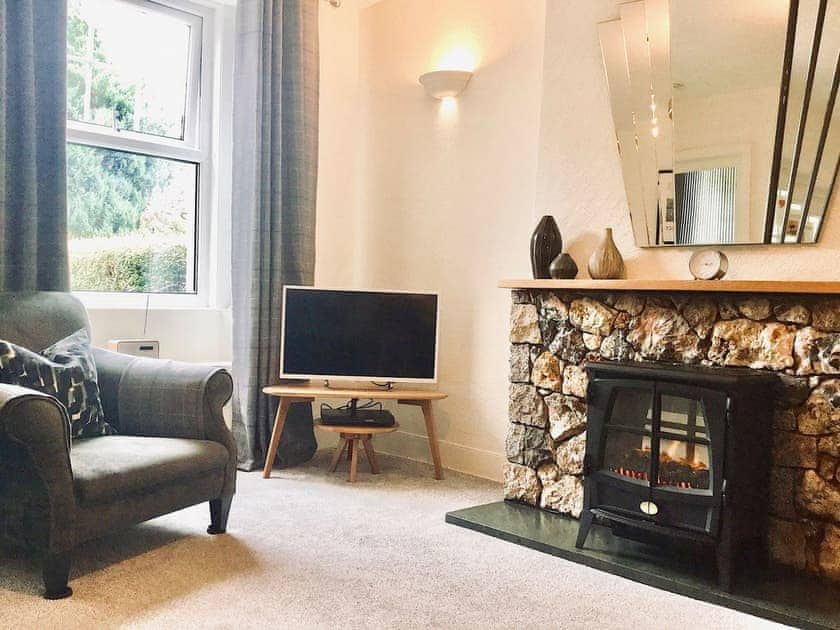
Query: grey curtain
point(33, 198)
point(273, 226)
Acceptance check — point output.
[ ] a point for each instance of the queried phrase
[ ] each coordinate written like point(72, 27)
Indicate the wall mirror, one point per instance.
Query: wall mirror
point(726, 117)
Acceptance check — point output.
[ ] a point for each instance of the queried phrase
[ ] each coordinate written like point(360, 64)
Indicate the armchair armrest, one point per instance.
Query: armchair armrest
point(159, 398)
point(37, 503)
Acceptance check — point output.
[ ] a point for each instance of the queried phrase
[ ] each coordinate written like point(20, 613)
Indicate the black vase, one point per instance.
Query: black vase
point(563, 267)
point(546, 244)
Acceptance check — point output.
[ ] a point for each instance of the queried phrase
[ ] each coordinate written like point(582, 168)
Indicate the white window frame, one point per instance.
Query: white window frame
point(196, 147)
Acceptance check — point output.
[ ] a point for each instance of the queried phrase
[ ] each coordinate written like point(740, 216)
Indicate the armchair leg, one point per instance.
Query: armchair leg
point(219, 511)
point(56, 572)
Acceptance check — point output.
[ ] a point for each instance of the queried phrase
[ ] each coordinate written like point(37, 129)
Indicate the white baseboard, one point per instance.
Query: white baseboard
point(465, 459)
point(458, 457)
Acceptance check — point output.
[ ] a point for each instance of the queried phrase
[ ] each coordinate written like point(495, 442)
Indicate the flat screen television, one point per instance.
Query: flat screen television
point(388, 336)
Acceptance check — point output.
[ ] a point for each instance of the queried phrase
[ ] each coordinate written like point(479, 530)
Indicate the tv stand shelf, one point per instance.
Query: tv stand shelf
point(290, 393)
point(312, 390)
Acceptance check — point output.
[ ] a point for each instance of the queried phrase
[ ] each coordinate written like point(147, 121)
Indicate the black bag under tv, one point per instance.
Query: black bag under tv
point(379, 336)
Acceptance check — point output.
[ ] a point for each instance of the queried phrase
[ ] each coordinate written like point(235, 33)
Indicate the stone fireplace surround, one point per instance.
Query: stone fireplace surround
point(792, 329)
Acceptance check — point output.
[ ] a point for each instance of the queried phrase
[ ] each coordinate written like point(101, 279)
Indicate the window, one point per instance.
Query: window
point(137, 152)
point(705, 201)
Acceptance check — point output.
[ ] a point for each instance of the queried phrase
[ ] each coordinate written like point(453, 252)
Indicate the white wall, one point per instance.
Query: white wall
point(446, 200)
point(441, 193)
point(200, 334)
point(339, 140)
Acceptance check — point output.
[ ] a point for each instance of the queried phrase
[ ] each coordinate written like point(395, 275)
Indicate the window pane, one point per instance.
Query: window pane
point(627, 454)
point(683, 464)
point(632, 408)
point(683, 416)
point(127, 67)
point(132, 221)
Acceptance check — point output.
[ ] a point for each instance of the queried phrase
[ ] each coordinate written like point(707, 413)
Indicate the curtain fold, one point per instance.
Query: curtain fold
point(33, 187)
point(275, 139)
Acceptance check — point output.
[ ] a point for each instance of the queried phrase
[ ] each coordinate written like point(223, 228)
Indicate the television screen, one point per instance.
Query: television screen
point(371, 335)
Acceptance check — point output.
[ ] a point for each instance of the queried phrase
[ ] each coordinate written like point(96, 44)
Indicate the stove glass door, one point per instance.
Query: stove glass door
point(684, 456)
point(629, 433)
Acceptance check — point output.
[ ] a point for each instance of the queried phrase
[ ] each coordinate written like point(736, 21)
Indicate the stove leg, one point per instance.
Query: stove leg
point(724, 575)
point(724, 563)
point(586, 519)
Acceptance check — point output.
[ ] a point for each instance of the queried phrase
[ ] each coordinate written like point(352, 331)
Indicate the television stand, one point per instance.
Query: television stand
point(307, 393)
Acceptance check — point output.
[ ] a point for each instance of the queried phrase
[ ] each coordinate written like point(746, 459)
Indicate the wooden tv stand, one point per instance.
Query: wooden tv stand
point(308, 392)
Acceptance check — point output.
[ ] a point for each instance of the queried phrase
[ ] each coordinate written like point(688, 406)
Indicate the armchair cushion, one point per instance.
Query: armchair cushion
point(106, 469)
point(167, 399)
point(65, 370)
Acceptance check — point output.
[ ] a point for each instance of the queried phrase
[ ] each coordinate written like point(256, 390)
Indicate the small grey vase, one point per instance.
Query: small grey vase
point(563, 267)
point(606, 262)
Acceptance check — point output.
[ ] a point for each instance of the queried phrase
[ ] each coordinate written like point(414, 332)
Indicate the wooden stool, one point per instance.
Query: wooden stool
point(351, 439)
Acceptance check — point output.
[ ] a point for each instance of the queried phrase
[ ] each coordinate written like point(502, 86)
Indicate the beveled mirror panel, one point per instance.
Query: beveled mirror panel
point(811, 134)
point(723, 114)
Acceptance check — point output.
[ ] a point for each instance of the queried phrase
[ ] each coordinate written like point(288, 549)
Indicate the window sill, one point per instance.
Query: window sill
point(142, 301)
point(102, 308)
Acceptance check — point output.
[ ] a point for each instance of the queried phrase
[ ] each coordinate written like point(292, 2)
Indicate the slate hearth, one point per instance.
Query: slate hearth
point(553, 333)
point(791, 598)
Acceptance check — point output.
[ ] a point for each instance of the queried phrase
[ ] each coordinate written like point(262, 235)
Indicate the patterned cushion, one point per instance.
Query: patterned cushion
point(65, 370)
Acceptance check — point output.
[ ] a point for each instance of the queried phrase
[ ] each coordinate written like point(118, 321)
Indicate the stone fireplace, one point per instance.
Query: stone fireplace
point(556, 327)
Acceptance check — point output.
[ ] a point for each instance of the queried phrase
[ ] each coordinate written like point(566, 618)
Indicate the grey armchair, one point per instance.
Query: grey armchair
point(173, 448)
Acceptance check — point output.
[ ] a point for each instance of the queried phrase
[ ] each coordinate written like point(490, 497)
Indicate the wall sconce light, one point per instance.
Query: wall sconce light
point(445, 83)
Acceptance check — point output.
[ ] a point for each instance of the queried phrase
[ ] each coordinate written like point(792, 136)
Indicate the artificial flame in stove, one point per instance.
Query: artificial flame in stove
point(677, 472)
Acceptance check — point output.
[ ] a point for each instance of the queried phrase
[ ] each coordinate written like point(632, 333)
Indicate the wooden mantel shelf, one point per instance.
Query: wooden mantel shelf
point(694, 286)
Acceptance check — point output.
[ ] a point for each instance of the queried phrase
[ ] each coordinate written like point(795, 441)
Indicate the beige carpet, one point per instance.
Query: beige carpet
point(308, 550)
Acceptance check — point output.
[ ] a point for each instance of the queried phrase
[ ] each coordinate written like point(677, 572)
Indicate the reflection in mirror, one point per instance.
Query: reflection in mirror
point(695, 91)
point(811, 144)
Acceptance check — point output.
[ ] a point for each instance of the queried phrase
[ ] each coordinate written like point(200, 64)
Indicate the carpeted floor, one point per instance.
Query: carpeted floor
point(308, 550)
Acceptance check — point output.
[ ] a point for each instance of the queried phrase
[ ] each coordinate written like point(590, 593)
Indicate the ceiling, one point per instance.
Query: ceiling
point(720, 46)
